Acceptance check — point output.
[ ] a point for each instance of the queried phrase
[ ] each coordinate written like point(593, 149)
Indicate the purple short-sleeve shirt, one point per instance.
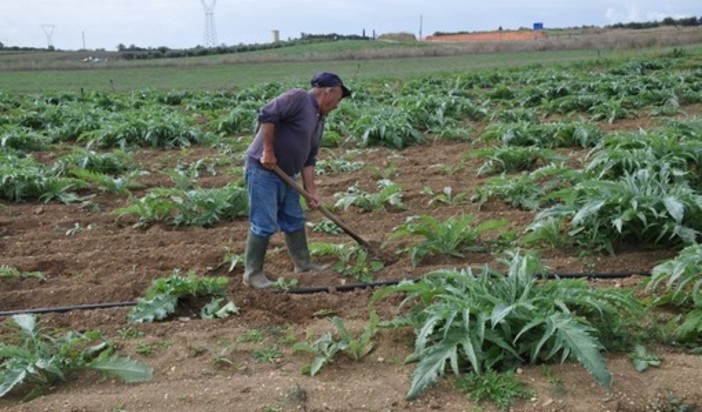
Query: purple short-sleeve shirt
point(298, 131)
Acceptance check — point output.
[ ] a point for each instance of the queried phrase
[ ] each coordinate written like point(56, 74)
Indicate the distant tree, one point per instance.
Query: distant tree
point(400, 36)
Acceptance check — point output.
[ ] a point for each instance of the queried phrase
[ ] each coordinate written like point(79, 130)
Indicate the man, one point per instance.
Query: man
point(289, 134)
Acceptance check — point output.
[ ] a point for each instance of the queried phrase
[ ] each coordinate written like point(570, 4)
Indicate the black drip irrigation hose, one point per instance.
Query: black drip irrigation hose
point(61, 309)
point(321, 289)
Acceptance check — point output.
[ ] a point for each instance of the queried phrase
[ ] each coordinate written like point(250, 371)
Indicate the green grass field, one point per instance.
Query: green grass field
point(64, 71)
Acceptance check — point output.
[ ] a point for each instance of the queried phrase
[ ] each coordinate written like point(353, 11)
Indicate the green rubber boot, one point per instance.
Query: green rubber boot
point(254, 276)
point(300, 255)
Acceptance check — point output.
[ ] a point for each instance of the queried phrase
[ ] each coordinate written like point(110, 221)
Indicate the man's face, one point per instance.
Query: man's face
point(330, 100)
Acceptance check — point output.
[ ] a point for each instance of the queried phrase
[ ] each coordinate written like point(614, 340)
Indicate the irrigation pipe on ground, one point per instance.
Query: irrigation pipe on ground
point(316, 289)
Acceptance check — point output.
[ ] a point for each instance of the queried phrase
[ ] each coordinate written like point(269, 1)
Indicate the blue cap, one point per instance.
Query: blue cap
point(326, 79)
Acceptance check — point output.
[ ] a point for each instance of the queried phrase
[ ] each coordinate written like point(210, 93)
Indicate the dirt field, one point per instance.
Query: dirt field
point(204, 366)
point(488, 36)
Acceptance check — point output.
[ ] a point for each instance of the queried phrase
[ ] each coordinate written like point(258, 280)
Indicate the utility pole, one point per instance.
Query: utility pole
point(210, 33)
point(420, 27)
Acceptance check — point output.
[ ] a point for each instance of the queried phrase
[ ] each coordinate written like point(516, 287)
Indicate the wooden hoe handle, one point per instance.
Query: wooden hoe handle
point(324, 210)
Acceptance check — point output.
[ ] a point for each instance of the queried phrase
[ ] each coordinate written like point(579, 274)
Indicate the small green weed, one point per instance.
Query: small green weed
point(233, 260)
point(9, 272)
point(286, 284)
point(145, 348)
point(669, 402)
point(503, 389)
point(447, 196)
point(558, 388)
point(642, 359)
point(129, 333)
point(267, 355)
point(326, 347)
point(251, 335)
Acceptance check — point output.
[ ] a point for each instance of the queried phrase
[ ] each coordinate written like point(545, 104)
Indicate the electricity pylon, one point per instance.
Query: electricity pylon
point(210, 33)
point(49, 33)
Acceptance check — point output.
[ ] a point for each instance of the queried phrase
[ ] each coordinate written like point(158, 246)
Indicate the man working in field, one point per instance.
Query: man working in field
point(289, 135)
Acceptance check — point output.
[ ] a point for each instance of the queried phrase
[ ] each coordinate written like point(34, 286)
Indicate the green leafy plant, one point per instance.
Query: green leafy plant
point(233, 260)
point(529, 190)
point(237, 121)
point(353, 261)
point(22, 139)
point(666, 149)
point(73, 230)
point(218, 308)
point(384, 173)
point(161, 299)
point(680, 281)
point(24, 179)
point(148, 127)
point(679, 276)
point(267, 355)
point(502, 389)
point(326, 226)
point(645, 207)
point(36, 358)
point(104, 182)
point(129, 333)
point(326, 347)
point(9, 272)
point(387, 126)
point(491, 321)
point(543, 135)
point(145, 348)
point(357, 347)
point(196, 207)
point(111, 163)
point(514, 158)
point(642, 359)
point(333, 164)
point(186, 174)
point(286, 284)
point(388, 194)
point(611, 110)
point(251, 335)
point(446, 196)
point(452, 236)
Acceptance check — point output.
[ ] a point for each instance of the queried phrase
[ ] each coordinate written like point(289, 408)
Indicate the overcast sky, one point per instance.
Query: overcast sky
point(180, 23)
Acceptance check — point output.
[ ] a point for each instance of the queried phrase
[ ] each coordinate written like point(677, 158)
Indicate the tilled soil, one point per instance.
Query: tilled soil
point(207, 365)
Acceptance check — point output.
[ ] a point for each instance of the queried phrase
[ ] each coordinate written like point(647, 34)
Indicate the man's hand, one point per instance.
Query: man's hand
point(314, 201)
point(268, 159)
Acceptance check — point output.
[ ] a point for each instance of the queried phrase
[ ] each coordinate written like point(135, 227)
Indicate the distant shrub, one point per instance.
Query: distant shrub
point(401, 36)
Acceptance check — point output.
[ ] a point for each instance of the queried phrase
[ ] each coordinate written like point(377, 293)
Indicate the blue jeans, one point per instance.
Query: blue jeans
point(273, 205)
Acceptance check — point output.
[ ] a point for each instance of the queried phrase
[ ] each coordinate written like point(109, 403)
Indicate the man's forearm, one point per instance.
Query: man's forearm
point(308, 180)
